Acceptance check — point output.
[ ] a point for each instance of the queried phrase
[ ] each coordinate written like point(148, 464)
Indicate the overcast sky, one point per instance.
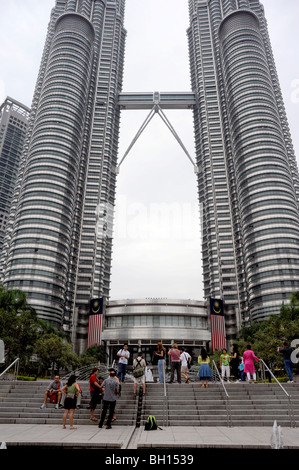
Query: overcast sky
point(157, 242)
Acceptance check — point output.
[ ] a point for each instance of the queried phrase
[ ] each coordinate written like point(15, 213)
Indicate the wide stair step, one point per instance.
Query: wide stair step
point(186, 405)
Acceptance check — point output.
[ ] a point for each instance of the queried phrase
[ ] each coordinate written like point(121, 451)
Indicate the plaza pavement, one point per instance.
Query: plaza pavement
point(128, 437)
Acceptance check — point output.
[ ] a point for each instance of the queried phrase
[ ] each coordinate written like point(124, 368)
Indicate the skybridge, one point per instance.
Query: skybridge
point(169, 100)
point(157, 102)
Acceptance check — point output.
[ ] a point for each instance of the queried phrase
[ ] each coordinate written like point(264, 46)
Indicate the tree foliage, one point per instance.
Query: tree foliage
point(19, 325)
point(55, 353)
point(93, 354)
point(25, 335)
point(265, 337)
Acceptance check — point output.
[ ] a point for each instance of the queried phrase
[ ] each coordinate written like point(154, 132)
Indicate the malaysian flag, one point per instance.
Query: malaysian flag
point(95, 321)
point(217, 324)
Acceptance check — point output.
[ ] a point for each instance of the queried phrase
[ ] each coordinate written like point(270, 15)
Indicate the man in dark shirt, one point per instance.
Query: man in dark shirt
point(286, 351)
point(111, 389)
point(95, 390)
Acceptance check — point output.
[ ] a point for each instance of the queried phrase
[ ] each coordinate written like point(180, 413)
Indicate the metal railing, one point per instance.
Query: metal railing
point(288, 396)
point(14, 364)
point(165, 403)
point(228, 403)
point(83, 373)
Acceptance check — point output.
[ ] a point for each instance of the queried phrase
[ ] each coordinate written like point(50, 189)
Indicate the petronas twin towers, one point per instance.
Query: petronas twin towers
point(248, 181)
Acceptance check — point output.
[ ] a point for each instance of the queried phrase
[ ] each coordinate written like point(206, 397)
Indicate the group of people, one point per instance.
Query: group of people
point(68, 396)
point(180, 361)
point(234, 362)
point(241, 366)
point(105, 391)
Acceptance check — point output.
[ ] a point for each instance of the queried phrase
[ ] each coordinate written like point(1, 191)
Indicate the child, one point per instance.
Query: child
point(224, 364)
point(241, 368)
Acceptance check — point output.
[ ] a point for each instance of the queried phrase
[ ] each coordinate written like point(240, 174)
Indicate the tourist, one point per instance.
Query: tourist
point(249, 368)
point(111, 389)
point(224, 364)
point(186, 360)
point(124, 357)
point(235, 362)
point(114, 376)
point(160, 353)
point(139, 366)
point(286, 351)
point(241, 368)
point(53, 392)
point(204, 372)
point(175, 363)
point(71, 390)
point(95, 392)
point(78, 402)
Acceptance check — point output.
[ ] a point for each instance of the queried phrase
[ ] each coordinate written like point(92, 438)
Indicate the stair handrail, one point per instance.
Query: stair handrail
point(291, 409)
point(228, 403)
point(165, 405)
point(15, 363)
point(84, 372)
point(221, 381)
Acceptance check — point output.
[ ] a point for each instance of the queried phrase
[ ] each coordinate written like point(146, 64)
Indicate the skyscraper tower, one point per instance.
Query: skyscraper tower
point(13, 125)
point(67, 171)
point(248, 177)
point(58, 241)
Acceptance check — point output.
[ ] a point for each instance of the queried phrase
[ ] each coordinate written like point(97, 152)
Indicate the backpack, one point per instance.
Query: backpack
point(151, 424)
point(138, 372)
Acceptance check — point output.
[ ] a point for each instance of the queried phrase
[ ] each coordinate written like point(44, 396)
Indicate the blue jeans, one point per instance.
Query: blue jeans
point(161, 363)
point(121, 373)
point(289, 368)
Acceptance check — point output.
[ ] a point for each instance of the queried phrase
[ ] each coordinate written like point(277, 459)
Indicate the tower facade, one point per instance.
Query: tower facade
point(52, 250)
point(13, 125)
point(248, 177)
point(58, 241)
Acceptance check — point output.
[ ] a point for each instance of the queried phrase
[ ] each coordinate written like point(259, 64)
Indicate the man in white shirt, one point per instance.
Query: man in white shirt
point(186, 359)
point(124, 357)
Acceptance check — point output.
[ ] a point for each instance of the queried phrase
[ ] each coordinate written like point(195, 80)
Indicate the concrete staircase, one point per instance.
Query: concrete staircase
point(20, 403)
point(186, 405)
point(250, 404)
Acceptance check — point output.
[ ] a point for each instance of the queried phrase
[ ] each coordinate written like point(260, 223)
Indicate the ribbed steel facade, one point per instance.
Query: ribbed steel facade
point(13, 126)
point(58, 241)
point(248, 181)
point(52, 250)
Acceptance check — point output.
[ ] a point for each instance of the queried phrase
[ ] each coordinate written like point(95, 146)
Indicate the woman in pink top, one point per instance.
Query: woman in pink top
point(248, 357)
point(175, 363)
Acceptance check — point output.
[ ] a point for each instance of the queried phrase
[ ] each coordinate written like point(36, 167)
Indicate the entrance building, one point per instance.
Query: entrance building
point(142, 323)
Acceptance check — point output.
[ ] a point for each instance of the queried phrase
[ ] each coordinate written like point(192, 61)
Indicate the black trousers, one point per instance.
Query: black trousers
point(175, 366)
point(106, 405)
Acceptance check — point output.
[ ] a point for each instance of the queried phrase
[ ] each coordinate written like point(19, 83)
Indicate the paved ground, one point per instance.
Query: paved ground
point(128, 437)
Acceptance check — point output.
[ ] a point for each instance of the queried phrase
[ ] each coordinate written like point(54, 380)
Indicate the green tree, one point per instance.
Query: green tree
point(265, 337)
point(55, 353)
point(93, 354)
point(19, 325)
